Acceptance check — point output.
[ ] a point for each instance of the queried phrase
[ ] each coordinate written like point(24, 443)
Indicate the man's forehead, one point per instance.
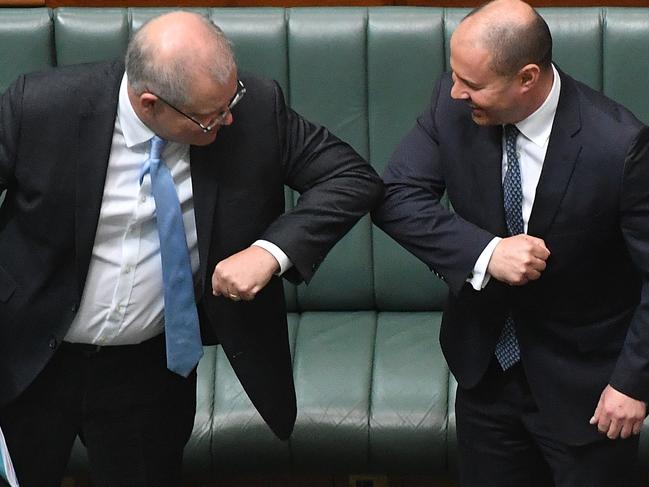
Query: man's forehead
point(468, 48)
point(469, 33)
point(215, 97)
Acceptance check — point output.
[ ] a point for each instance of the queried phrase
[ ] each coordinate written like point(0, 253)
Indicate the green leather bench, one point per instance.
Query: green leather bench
point(374, 393)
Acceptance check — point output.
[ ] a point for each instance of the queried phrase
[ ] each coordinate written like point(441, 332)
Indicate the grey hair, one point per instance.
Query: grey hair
point(171, 79)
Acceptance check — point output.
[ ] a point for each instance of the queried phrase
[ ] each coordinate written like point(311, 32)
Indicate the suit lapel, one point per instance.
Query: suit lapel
point(561, 156)
point(96, 125)
point(204, 170)
point(487, 152)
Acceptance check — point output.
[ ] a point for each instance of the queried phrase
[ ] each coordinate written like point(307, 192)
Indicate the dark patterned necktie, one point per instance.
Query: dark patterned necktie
point(507, 350)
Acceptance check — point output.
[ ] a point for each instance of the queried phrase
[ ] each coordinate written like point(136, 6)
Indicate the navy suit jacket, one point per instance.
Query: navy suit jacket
point(55, 137)
point(585, 322)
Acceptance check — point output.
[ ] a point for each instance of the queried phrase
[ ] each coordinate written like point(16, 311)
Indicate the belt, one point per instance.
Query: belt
point(88, 349)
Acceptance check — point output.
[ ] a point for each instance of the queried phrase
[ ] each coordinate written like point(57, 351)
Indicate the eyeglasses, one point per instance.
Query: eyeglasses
point(218, 120)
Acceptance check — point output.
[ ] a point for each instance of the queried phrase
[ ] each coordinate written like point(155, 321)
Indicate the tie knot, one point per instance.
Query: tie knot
point(511, 132)
point(157, 146)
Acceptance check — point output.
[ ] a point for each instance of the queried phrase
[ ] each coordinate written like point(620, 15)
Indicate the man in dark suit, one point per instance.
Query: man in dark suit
point(546, 255)
point(82, 312)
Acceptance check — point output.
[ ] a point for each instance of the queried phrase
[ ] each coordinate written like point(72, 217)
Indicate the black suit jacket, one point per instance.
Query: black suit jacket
point(55, 137)
point(585, 322)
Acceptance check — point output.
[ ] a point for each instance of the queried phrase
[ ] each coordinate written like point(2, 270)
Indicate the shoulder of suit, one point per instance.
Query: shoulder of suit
point(261, 93)
point(77, 71)
point(257, 83)
point(78, 78)
point(599, 108)
point(58, 90)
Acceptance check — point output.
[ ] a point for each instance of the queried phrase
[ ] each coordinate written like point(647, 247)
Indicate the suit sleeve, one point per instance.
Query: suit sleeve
point(10, 110)
point(337, 187)
point(412, 212)
point(631, 374)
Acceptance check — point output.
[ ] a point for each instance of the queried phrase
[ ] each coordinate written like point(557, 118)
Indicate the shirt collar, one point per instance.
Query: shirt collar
point(134, 130)
point(538, 125)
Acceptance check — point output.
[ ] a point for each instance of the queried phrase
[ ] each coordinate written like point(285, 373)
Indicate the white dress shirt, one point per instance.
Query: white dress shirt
point(122, 301)
point(531, 146)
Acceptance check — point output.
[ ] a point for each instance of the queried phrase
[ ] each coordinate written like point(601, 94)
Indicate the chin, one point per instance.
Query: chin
point(483, 119)
point(204, 139)
point(480, 120)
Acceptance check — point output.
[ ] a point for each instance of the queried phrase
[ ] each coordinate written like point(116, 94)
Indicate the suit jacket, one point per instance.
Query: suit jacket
point(585, 322)
point(55, 138)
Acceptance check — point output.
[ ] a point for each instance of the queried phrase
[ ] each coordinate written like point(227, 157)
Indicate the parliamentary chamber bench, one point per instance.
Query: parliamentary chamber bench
point(375, 398)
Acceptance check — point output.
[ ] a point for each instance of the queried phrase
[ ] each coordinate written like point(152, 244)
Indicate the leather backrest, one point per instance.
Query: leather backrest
point(366, 73)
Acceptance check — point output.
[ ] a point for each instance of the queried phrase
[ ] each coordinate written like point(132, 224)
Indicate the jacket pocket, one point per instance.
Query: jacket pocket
point(606, 335)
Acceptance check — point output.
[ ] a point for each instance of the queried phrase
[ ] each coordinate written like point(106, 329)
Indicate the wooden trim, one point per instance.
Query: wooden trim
point(22, 3)
point(534, 3)
point(306, 3)
point(216, 3)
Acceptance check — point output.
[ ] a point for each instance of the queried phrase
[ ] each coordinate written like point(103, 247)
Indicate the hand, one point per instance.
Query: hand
point(244, 274)
point(519, 259)
point(618, 415)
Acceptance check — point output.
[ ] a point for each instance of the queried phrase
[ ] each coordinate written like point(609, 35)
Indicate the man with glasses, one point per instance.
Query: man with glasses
point(218, 119)
point(102, 165)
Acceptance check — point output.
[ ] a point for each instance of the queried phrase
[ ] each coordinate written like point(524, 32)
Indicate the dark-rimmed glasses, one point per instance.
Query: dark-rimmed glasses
point(218, 120)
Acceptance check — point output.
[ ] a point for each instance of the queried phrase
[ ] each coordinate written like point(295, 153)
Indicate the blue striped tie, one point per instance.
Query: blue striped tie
point(508, 352)
point(183, 338)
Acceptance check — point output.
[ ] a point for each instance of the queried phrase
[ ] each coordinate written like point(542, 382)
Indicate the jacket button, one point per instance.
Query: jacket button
point(74, 308)
point(53, 343)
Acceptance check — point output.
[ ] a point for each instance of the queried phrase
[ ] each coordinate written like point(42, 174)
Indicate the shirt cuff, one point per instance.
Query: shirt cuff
point(281, 258)
point(480, 277)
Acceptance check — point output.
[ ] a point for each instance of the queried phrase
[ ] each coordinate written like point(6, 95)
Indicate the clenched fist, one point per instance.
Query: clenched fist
point(244, 274)
point(519, 259)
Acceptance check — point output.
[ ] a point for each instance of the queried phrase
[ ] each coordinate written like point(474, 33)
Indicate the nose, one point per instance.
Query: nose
point(458, 92)
point(229, 118)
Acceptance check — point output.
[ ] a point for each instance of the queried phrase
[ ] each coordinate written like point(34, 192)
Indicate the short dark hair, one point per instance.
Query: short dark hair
point(513, 45)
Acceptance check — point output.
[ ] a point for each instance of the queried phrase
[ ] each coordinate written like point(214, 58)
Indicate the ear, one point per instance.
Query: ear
point(529, 76)
point(147, 102)
point(143, 104)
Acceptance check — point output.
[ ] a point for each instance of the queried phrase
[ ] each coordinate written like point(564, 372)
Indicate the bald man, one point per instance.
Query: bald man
point(83, 299)
point(546, 256)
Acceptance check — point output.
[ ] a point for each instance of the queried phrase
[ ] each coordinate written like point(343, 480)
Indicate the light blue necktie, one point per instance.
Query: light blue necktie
point(5, 457)
point(183, 338)
point(508, 352)
point(3, 472)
